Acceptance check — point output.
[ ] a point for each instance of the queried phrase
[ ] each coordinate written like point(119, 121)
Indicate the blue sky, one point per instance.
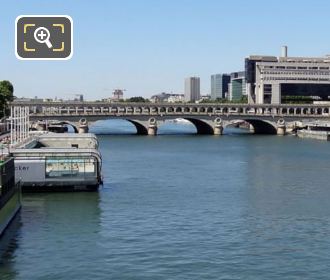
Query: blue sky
point(150, 46)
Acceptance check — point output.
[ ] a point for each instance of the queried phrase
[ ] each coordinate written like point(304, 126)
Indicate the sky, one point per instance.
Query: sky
point(150, 46)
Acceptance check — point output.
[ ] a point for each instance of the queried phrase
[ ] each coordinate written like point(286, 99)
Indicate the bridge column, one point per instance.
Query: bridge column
point(218, 128)
point(152, 127)
point(281, 127)
point(83, 126)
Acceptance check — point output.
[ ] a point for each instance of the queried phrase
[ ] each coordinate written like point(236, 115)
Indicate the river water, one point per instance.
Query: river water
point(237, 206)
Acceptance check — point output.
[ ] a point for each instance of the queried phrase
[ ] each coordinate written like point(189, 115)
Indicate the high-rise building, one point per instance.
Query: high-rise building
point(192, 89)
point(219, 86)
point(118, 94)
point(237, 86)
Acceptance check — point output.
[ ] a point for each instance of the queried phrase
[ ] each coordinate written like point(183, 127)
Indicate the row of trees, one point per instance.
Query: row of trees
point(6, 96)
point(140, 99)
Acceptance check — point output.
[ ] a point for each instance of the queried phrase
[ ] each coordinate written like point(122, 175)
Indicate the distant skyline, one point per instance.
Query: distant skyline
point(148, 47)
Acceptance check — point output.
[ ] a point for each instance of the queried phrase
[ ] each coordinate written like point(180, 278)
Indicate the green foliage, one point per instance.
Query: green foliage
point(297, 99)
point(6, 96)
point(137, 99)
point(242, 100)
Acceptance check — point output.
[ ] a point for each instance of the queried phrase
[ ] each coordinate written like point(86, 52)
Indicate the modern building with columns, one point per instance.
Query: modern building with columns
point(270, 79)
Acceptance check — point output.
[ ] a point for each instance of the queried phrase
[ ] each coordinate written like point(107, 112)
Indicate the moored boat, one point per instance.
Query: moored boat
point(10, 194)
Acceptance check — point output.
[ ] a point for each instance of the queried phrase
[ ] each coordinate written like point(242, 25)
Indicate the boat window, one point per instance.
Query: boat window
point(70, 167)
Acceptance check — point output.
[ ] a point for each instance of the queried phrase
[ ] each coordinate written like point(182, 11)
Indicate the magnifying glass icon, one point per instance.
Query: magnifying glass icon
point(42, 35)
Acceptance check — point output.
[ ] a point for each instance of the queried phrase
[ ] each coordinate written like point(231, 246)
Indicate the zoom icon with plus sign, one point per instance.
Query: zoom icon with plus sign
point(44, 37)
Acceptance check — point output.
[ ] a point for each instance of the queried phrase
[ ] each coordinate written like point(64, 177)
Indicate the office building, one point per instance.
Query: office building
point(79, 97)
point(272, 80)
point(192, 89)
point(237, 86)
point(219, 86)
point(117, 95)
point(167, 97)
point(175, 98)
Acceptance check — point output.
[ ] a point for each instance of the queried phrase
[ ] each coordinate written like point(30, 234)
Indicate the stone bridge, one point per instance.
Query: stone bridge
point(208, 118)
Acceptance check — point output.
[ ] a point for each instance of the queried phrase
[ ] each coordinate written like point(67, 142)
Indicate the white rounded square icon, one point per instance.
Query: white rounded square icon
point(44, 37)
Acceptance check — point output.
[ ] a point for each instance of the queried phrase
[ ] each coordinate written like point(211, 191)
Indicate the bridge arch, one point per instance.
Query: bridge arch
point(201, 126)
point(209, 110)
point(74, 126)
point(178, 110)
point(140, 128)
point(259, 126)
point(262, 127)
point(153, 109)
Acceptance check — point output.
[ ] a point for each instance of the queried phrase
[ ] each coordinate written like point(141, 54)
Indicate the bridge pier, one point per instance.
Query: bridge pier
point(83, 126)
point(152, 127)
point(83, 129)
point(152, 130)
point(281, 130)
point(281, 127)
point(218, 128)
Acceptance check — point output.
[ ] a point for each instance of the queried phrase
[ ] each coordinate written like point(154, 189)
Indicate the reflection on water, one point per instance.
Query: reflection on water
point(61, 227)
point(8, 247)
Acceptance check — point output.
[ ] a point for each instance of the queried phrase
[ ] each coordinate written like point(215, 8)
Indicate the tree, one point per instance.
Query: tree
point(137, 99)
point(6, 95)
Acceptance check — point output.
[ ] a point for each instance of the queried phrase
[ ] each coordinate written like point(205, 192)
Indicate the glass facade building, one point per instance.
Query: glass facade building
point(237, 86)
point(219, 86)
